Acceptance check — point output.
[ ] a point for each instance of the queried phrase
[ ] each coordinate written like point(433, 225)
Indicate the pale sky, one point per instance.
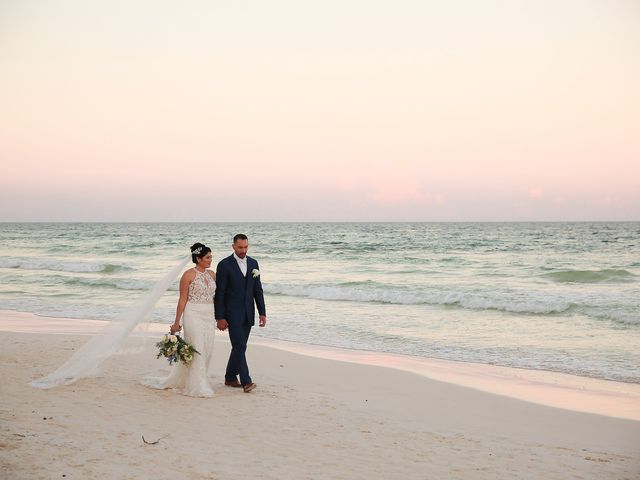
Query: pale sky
point(305, 110)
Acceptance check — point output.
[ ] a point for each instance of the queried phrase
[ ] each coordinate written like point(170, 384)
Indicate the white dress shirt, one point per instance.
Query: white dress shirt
point(242, 263)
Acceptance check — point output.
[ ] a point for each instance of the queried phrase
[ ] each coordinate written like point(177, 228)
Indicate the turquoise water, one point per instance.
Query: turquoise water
point(554, 296)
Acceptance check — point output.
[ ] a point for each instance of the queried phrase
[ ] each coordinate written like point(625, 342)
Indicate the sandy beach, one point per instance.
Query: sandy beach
point(342, 416)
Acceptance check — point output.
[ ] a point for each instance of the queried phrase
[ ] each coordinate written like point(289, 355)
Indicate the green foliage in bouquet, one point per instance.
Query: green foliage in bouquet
point(174, 348)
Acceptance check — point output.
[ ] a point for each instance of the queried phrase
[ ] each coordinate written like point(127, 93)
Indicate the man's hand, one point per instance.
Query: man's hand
point(222, 324)
point(263, 320)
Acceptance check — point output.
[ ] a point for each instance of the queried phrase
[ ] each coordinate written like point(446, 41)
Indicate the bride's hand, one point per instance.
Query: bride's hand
point(175, 328)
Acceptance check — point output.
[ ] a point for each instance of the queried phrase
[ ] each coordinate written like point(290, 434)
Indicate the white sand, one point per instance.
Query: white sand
point(309, 418)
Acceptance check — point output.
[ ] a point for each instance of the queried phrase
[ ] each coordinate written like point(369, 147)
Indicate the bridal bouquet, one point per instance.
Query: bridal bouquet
point(174, 348)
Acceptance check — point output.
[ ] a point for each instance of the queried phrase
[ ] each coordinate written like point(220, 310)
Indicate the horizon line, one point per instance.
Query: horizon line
point(305, 221)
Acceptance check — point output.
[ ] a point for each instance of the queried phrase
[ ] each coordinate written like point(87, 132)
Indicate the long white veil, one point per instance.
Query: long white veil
point(87, 359)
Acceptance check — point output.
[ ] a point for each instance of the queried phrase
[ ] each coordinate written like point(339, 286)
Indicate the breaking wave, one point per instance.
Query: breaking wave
point(61, 265)
point(591, 276)
point(531, 303)
point(472, 301)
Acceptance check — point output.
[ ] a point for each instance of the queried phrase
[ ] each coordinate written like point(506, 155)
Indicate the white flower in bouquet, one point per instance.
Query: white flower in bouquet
point(174, 348)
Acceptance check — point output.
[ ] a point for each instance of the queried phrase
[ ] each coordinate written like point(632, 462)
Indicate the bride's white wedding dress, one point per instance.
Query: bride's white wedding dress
point(199, 327)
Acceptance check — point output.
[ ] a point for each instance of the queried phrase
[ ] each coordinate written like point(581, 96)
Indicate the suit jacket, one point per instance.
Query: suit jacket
point(236, 295)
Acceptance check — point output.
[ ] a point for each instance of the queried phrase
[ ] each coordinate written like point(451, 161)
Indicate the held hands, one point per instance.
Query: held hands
point(222, 324)
point(176, 327)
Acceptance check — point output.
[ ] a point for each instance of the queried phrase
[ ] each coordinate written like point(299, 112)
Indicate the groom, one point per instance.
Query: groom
point(238, 286)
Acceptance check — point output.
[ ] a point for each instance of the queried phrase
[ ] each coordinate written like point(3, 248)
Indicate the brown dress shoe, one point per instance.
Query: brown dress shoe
point(248, 387)
point(232, 383)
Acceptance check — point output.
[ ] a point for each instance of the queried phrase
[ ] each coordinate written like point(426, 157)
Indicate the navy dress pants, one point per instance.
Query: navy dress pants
point(237, 365)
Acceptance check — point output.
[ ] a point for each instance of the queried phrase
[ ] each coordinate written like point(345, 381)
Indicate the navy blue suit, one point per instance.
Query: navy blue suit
point(235, 301)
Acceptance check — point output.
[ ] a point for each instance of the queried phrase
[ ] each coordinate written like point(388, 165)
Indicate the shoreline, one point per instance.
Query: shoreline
point(317, 415)
point(551, 389)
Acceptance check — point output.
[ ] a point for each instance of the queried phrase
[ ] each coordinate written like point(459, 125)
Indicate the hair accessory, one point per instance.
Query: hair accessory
point(196, 251)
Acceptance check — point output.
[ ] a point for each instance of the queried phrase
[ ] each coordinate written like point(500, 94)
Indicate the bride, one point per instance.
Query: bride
point(195, 309)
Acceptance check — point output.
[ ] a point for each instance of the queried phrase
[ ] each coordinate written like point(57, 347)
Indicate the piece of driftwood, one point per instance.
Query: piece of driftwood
point(152, 443)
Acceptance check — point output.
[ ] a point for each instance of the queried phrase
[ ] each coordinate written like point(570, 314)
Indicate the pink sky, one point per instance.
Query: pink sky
point(319, 111)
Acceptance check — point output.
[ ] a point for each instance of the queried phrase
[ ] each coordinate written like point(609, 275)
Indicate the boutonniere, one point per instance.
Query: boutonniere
point(255, 272)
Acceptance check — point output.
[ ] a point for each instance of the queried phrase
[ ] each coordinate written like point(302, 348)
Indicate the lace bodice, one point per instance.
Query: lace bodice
point(202, 289)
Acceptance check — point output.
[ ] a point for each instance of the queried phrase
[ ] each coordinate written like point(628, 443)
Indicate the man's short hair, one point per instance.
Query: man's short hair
point(240, 236)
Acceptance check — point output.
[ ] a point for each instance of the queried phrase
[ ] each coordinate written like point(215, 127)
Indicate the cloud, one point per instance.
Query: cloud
point(615, 201)
point(404, 193)
point(536, 193)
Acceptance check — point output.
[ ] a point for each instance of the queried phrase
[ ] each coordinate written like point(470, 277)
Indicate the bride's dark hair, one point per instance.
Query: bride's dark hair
point(198, 250)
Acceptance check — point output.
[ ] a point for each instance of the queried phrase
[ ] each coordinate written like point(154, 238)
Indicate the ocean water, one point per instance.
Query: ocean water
point(562, 297)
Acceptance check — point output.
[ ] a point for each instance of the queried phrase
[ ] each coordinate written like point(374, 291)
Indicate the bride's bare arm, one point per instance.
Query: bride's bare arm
point(187, 278)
